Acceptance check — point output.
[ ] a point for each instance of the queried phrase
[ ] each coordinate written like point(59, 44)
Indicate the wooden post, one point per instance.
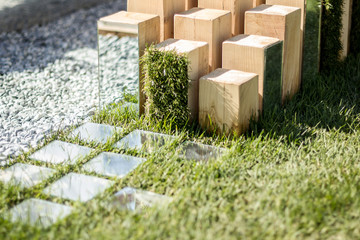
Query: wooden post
point(258, 3)
point(164, 8)
point(346, 28)
point(227, 100)
point(208, 25)
point(189, 4)
point(236, 7)
point(299, 4)
point(145, 26)
point(260, 55)
point(280, 22)
point(198, 54)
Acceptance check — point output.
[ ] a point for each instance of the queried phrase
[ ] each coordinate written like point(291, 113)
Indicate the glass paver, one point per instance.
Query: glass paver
point(39, 212)
point(133, 199)
point(143, 140)
point(99, 133)
point(112, 164)
point(25, 175)
point(58, 152)
point(78, 187)
point(200, 152)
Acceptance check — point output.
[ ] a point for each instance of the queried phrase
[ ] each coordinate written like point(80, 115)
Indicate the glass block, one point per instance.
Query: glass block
point(39, 212)
point(143, 140)
point(133, 199)
point(60, 152)
point(78, 187)
point(200, 152)
point(25, 175)
point(112, 164)
point(99, 133)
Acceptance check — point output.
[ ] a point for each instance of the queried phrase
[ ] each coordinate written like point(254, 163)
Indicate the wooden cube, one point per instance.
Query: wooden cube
point(164, 8)
point(198, 54)
point(236, 7)
point(284, 23)
point(299, 4)
point(146, 27)
point(258, 3)
point(189, 4)
point(208, 25)
point(260, 55)
point(228, 99)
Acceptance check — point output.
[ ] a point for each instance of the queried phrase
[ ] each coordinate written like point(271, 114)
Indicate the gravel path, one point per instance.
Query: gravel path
point(48, 77)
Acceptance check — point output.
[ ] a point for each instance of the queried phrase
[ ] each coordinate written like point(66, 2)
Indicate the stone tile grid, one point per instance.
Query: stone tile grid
point(199, 152)
point(25, 175)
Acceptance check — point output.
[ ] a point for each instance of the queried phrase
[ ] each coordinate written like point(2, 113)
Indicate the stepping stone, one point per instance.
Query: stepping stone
point(94, 132)
point(39, 212)
point(58, 152)
point(133, 199)
point(78, 187)
point(200, 152)
point(25, 175)
point(113, 165)
point(143, 140)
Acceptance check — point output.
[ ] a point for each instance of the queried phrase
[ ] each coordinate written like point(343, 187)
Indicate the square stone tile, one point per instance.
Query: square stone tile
point(99, 133)
point(58, 152)
point(39, 212)
point(143, 140)
point(25, 175)
point(133, 199)
point(112, 164)
point(78, 187)
point(200, 152)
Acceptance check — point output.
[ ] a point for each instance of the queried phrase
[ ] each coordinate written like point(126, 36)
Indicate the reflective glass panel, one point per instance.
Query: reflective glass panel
point(133, 199)
point(39, 212)
point(112, 164)
point(78, 187)
point(60, 152)
point(200, 152)
point(94, 132)
point(25, 175)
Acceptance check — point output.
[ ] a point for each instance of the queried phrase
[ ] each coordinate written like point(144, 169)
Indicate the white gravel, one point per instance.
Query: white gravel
point(48, 77)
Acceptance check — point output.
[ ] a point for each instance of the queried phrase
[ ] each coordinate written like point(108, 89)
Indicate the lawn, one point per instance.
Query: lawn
point(294, 175)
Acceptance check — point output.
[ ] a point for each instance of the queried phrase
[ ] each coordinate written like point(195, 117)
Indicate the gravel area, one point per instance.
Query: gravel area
point(48, 77)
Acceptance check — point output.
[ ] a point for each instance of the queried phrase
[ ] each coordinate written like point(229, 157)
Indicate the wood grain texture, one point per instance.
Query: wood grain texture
point(164, 8)
point(346, 28)
point(198, 54)
point(228, 99)
point(189, 4)
point(299, 4)
point(145, 26)
point(236, 7)
point(280, 22)
point(248, 53)
point(207, 25)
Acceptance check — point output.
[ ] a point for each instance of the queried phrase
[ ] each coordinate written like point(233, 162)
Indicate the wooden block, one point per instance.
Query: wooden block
point(258, 3)
point(189, 4)
point(164, 8)
point(228, 99)
point(346, 27)
point(260, 55)
point(280, 22)
point(236, 7)
point(198, 54)
point(145, 26)
point(299, 4)
point(208, 25)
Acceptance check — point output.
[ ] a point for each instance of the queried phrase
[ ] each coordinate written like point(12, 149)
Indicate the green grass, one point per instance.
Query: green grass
point(294, 175)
